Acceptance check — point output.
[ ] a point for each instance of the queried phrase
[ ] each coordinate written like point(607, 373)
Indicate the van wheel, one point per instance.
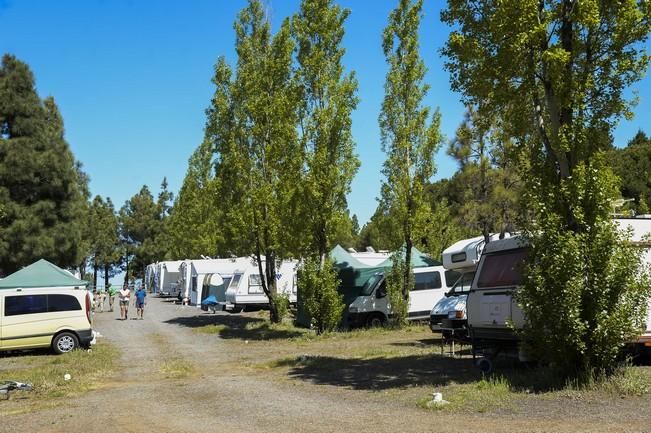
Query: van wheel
point(65, 342)
point(375, 321)
point(485, 365)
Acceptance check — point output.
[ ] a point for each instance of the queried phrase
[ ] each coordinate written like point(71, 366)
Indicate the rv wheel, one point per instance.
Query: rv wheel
point(485, 365)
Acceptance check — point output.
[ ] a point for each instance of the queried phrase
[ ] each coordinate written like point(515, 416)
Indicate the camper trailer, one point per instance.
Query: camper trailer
point(371, 307)
point(194, 272)
point(449, 314)
point(493, 313)
point(168, 278)
point(245, 286)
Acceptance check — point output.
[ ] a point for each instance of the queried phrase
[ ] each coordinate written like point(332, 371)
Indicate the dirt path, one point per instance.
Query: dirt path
point(219, 394)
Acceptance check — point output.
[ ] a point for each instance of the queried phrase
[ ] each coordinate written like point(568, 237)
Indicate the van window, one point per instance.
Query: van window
point(427, 281)
point(370, 284)
point(255, 283)
point(502, 269)
point(62, 303)
point(28, 304)
point(451, 277)
point(35, 304)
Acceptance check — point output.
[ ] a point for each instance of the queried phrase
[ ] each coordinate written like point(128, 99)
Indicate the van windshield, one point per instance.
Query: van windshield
point(502, 269)
point(370, 284)
point(463, 283)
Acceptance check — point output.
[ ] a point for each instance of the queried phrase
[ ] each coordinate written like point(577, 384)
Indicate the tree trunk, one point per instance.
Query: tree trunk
point(95, 268)
point(106, 275)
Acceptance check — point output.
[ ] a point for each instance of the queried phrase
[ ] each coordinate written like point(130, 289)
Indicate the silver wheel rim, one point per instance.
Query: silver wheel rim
point(66, 343)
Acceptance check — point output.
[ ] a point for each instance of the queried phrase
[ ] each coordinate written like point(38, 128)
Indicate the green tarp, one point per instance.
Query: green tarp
point(418, 259)
point(41, 274)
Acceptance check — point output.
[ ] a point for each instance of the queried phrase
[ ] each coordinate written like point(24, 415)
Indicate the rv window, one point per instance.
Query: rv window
point(255, 283)
point(370, 284)
point(295, 282)
point(28, 304)
point(194, 284)
point(62, 303)
point(235, 281)
point(502, 269)
point(459, 257)
point(427, 281)
point(451, 277)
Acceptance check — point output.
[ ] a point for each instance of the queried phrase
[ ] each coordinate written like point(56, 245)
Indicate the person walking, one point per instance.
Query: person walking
point(141, 294)
point(125, 296)
point(111, 291)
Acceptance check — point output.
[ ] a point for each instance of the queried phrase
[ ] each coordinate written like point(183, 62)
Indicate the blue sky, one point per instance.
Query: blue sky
point(132, 80)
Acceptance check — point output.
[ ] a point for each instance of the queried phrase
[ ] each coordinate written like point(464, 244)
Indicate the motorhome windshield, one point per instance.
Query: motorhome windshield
point(502, 269)
point(370, 284)
point(463, 283)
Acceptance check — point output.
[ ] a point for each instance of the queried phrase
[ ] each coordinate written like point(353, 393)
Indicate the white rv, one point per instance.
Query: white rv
point(245, 286)
point(493, 312)
point(371, 307)
point(450, 312)
point(194, 272)
point(168, 278)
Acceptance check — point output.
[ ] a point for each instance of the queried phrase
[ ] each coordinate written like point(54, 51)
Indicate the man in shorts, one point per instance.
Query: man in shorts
point(141, 294)
point(124, 295)
point(112, 291)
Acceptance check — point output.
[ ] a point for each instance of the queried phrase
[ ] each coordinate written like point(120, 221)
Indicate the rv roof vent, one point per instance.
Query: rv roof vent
point(370, 249)
point(352, 250)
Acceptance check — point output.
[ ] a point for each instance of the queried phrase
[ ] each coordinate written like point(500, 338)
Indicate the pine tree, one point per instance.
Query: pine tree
point(39, 181)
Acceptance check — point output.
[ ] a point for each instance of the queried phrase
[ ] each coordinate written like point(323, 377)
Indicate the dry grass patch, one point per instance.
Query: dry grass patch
point(176, 368)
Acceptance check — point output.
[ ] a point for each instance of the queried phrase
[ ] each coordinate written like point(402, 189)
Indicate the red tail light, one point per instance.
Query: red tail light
point(88, 307)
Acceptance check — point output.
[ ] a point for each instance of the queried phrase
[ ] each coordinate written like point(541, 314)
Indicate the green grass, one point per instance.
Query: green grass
point(481, 396)
point(210, 329)
point(46, 372)
point(176, 368)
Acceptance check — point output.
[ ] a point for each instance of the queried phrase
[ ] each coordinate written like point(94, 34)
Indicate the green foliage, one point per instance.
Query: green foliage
point(408, 135)
point(103, 235)
point(142, 222)
point(41, 187)
point(327, 98)
point(633, 166)
point(259, 145)
point(193, 226)
point(533, 64)
point(398, 289)
point(322, 302)
point(584, 297)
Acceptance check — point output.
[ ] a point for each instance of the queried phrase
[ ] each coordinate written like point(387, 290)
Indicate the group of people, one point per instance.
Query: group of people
point(124, 297)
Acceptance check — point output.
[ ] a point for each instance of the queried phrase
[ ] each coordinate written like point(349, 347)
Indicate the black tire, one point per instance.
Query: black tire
point(485, 365)
point(238, 309)
point(65, 342)
point(375, 320)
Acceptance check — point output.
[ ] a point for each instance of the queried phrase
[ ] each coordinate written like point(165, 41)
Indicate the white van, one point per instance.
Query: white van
point(45, 317)
point(371, 307)
point(245, 286)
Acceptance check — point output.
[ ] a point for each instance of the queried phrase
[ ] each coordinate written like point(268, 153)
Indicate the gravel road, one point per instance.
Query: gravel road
point(218, 395)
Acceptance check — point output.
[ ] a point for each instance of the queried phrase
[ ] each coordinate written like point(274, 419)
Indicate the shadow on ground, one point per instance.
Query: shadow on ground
point(385, 373)
point(234, 326)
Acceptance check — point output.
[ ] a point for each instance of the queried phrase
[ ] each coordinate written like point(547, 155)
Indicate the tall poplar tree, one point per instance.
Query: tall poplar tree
point(265, 150)
point(557, 73)
point(39, 182)
point(328, 98)
point(410, 135)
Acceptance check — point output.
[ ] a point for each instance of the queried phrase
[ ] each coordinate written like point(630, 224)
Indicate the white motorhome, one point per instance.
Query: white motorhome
point(168, 278)
point(450, 312)
point(493, 312)
point(371, 307)
point(194, 272)
point(245, 286)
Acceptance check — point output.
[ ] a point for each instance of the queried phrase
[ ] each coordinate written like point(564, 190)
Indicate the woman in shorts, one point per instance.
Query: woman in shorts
point(124, 296)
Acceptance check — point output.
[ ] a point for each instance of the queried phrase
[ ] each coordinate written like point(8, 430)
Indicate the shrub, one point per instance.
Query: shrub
point(322, 302)
point(398, 291)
